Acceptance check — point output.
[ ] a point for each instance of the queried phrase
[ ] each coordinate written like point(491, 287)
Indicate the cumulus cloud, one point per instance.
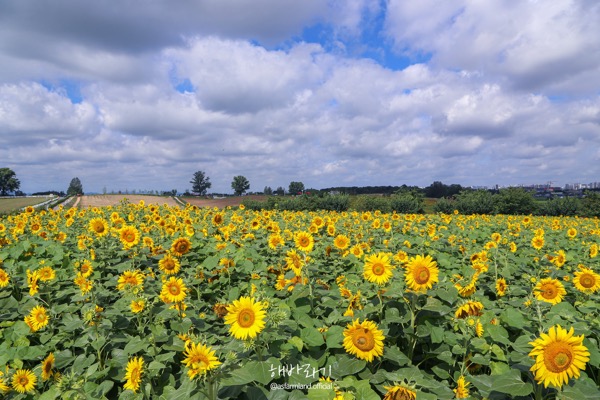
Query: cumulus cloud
point(143, 97)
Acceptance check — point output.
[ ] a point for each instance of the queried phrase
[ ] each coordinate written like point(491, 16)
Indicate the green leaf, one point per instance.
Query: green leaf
point(365, 392)
point(514, 318)
point(50, 394)
point(394, 354)
point(135, 345)
point(312, 337)
point(253, 371)
point(296, 342)
point(344, 365)
point(498, 334)
point(508, 383)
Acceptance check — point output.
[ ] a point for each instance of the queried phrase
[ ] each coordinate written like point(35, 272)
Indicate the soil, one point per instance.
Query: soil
point(115, 199)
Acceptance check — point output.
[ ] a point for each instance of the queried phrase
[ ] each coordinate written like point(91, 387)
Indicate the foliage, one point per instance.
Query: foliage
point(462, 326)
point(590, 204)
point(445, 205)
point(296, 188)
point(240, 185)
point(438, 190)
point(8, 181)
point(280, 191)
point(516, 201)
point(475, 202)
point(268, 191)
point(566, 206)
point(75, 187)
point(200, 183)
point(407, 203)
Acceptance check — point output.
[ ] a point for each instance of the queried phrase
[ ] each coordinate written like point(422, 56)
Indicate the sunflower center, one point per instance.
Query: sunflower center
point(363, 339)
point(549, 291)
point(135, 374)
point(169, 265)
point(421, 275)
point(557, 357)
point(587, 281)
point(40, 317)
point(23, 381)
point(174, 290)
point(130, 237)
point(378, 269)
point(303, 241)
point(246, 318)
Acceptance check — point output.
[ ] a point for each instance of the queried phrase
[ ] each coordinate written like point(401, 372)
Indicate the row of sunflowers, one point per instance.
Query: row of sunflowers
point(147, 301)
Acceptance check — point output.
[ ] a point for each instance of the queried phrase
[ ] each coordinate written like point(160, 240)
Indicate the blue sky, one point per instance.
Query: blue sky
point(327, 92)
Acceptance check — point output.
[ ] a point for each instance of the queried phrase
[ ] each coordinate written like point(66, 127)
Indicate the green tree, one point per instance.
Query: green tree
point(75, 187)
point(280, 191)
point(8, 181)
point(268, 191)
point(240, 184)
point(514, 201)
point(296, 188)
point(200, 183)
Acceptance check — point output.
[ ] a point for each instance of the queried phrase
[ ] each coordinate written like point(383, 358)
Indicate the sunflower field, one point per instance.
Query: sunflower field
point(145, 301)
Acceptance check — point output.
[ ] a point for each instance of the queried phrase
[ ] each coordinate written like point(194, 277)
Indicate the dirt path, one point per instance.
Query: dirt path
point(115, 199)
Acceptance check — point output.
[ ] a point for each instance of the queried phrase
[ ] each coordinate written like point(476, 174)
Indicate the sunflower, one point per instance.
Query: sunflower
point(364, 340)
point(304, 241)
point(199, 359)
point(3, 386)
point(549, 290)
point(294, 262)
point(479, 329)
point(133, 374)
point(37, 318)
point(137, 306)
point(98, 226)
point(46, 274)
point(421, 273)
point(501, 287)
point(86, 269)
point(558, 356)
point(461, 391)
point(537, 242)
point(181, 246)
point(586, 280)
point(4, 278)
point(130, 278)
point(246, 317)
point(469, 309)
point(129, 236)
point(169, 265)
point(173, 290)
point(399, 392)
point(23, 381)
point(47, 366)
point(341, 242)
point(275, 240)
point(571, 233)
point(378, 269)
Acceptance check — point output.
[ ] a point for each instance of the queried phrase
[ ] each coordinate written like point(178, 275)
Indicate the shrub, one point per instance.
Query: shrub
point(514, 201)
point(407, 203)
point(475, 202)
point(566, 206)
point(445, 205)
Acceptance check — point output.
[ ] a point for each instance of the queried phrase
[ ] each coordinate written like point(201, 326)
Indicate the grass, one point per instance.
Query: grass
point(12, 204)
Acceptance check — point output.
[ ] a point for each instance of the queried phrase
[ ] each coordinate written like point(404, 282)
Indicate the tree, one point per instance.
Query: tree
point(296, 188)
point(240, 184)
point(75, 187)
point(8, 181)
point(200, 183)
point(268, 191)
point(280, 191)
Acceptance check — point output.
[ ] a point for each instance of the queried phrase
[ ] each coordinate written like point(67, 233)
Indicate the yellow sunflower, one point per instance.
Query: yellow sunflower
point(169, 265)
point(130, 278)
point(559, 356)
point(399, 392)
point(341, 242)
point(571, 233)
point(47, 366)
point(586, 280)
point(275, 240)
point(98, 226)
point(23, 381)
point(421, 273)
point(181, 246)
point(364, 340)
point(133, 374)
point(294, 262)
point(537, 242)
point(129, 236)
point(137, 306)
point(4, 278)
point(304, 241)
point(549, 290)
point(469, 309)
point(37, 318)
point(246, 317)
point(46, 274)
point(501, 287)
point(173, 290)
point(461, 391)
point(199, 359)
point(593, 250)
point(378, 269)
point(3, 386)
